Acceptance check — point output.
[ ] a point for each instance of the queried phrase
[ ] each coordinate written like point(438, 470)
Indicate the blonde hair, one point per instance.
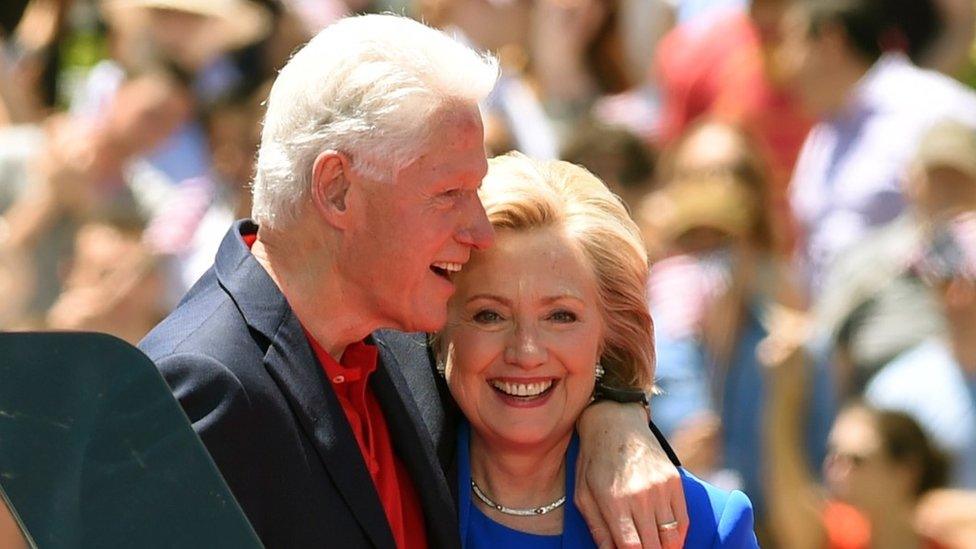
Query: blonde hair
point(520, 193)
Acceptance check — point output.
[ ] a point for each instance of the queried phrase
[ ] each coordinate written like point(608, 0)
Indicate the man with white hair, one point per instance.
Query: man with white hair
point(330, 431)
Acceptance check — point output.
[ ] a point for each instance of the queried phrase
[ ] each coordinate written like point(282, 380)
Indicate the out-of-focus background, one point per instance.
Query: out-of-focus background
point(804, 172)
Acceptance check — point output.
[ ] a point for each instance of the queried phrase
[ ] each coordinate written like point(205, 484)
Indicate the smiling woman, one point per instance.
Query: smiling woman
point(559, 300)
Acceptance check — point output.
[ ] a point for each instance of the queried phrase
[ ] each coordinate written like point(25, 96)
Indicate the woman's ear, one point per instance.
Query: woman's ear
point(330, 186)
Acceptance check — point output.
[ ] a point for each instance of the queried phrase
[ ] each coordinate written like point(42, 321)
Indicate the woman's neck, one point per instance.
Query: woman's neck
point(892, 528)
point(521, 478)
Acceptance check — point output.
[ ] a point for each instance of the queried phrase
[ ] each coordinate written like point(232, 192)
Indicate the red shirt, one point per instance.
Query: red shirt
point(350, 381)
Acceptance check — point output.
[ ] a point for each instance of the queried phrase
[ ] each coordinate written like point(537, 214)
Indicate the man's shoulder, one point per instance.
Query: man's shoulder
point(206, 322)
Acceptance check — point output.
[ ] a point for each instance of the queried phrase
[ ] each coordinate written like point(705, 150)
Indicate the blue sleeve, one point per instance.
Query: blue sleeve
point(718, 518)
point(736, 525)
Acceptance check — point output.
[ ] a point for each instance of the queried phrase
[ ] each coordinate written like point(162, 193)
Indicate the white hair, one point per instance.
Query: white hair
point(365, 86)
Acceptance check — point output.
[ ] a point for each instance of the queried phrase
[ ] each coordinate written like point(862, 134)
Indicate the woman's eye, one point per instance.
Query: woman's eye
point(487, 316)
point(564, 317)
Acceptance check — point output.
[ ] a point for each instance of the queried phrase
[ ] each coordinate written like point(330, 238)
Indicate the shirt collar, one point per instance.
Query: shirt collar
point(357, 363)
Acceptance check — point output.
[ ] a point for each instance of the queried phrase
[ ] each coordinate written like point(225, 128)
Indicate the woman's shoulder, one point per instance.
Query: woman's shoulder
point(719, 518)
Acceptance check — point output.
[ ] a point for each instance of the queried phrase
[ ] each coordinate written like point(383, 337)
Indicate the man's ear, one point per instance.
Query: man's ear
point(330, 186)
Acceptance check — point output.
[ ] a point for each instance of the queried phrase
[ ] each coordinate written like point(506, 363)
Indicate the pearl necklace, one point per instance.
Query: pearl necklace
point(516, 512)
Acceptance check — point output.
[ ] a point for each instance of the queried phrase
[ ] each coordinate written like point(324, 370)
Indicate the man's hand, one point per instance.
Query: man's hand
point(626, 487)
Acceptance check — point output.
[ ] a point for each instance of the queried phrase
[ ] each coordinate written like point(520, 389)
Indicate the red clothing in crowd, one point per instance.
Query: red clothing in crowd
point(847, 528)
point(350, 381)
point(716, 67)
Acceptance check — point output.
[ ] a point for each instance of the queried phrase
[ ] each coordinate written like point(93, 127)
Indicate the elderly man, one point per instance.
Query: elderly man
point(329, 432)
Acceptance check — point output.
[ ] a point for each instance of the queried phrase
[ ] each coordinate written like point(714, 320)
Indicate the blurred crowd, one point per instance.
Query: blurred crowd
point(804, 172)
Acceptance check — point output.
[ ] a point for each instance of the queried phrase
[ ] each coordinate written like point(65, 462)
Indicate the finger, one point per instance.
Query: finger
point(626, 536)
point(619, 519)
point(679, 510)
point(647, 528)
point(594, 520)
point(664, 524)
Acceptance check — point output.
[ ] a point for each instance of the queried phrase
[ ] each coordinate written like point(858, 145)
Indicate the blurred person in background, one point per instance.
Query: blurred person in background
point(692, 10)
point(879, 464)
point(873, 108)
point(950, 52)
point(725, 67)
point(195, 37)
point(514, 117)
point(30, 33)
point(53, 178)
point(935, 381)
point(616, 155)
point(558, 59)
point(709, 295)
point(187, 228)
point(873, 305)
point(714, 147)
point(113, 285)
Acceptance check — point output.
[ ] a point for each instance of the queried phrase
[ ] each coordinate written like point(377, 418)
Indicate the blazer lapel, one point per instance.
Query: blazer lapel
point(290, 361)
point(412, 440)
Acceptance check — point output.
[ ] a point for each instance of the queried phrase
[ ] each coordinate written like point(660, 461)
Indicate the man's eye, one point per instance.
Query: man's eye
point(487, 316)
point(453, 193)
point(563, 316)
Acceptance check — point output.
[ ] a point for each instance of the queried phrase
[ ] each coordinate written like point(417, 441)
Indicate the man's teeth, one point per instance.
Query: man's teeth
point(522, 389)
point(449, 267)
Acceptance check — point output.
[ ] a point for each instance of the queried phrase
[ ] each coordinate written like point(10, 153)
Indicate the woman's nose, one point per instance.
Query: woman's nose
point(524, 349)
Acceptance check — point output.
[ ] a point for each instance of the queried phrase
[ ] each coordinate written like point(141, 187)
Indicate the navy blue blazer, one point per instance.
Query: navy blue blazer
point(237, 359)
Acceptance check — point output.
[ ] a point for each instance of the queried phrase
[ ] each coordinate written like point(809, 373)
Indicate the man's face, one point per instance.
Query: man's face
point(407, 236)
point(804, 61)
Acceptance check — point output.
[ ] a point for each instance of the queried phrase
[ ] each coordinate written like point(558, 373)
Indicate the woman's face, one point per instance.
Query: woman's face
point(857, 470)
point(523, 338)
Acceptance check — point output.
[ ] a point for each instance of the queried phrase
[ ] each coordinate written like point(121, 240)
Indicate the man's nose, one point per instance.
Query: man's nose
point(477, 231)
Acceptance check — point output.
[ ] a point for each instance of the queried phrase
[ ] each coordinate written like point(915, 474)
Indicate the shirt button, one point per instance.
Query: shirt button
point(339, 379)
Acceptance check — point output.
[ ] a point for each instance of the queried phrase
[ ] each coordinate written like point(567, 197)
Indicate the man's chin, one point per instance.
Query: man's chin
point(426, 321)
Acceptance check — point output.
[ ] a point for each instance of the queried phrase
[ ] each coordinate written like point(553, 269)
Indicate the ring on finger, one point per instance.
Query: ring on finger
point(670, 525)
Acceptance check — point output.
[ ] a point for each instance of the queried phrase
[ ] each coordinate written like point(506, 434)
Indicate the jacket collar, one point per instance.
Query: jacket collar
point(404, 384)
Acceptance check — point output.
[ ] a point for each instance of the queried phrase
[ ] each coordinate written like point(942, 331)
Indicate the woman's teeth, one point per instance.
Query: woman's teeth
point(522, 389)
